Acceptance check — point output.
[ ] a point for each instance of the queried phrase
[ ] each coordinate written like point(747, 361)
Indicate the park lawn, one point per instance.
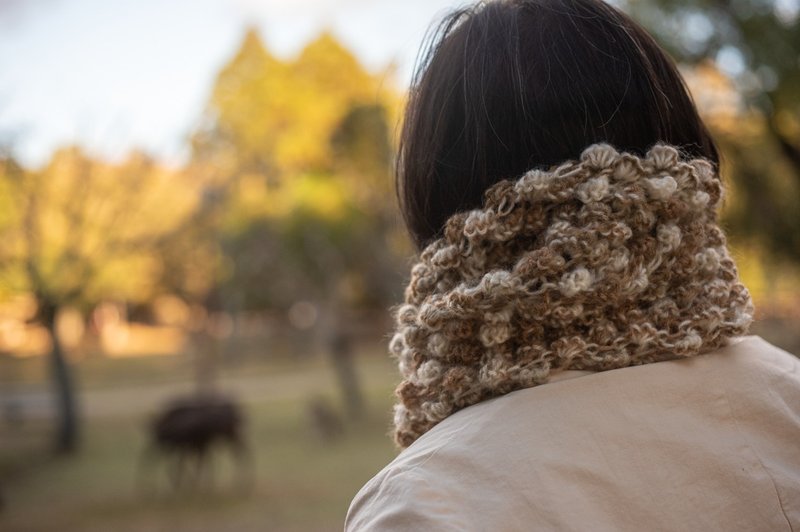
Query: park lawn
point(300, 482)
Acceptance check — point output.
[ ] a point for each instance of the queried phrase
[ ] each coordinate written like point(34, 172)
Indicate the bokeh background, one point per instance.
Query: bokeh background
point(196, 196)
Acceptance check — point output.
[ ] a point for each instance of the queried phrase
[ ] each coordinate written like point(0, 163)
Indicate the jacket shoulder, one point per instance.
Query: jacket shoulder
point(754, 359)
point(399, 498)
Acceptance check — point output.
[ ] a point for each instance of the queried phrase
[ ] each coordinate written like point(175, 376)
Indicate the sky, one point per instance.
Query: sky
point(113, 75)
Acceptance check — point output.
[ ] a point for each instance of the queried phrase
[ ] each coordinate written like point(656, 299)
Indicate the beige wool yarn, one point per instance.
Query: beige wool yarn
point(611, 261)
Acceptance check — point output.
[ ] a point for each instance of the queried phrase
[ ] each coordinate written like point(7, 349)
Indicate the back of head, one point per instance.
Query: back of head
point(545, 248)
point(511, 85)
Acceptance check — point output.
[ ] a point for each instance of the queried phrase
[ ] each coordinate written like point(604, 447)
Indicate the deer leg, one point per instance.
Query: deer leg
point(178, 470)
point(243, 463)
point(209, 469)
point(145, 468)
point(202, 468)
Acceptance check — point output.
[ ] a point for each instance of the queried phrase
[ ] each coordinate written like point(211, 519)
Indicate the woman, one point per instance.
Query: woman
point(572, 342)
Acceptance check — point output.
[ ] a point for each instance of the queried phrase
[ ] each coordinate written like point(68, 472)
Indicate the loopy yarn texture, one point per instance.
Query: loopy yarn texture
point(610, 261)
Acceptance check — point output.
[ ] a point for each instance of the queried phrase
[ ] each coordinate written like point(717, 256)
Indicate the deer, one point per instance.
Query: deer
point(188, 429)
point(325, 422)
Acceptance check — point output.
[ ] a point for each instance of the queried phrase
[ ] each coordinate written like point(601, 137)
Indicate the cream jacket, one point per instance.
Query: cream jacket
point(706, 443)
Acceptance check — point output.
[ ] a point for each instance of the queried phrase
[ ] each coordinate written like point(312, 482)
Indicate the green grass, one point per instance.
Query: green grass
point(300, 483)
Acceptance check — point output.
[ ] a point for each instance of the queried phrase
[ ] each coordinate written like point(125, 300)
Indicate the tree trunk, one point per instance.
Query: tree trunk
point(339, 344)
point(341, 350)
point(788, 149)
point(67, 423)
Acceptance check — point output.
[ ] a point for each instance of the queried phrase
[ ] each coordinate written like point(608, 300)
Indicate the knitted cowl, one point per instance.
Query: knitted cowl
point(610, 261)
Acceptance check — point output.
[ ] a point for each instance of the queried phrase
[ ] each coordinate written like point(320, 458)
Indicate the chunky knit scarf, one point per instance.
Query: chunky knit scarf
point(610, 261)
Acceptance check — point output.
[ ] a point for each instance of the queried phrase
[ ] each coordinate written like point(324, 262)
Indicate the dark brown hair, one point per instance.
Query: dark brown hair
point(509, 85)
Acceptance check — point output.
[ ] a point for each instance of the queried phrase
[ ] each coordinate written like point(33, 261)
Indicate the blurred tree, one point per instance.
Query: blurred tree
point(329, 82)
point(249, 106)
point(80, 232)
point(301, 152)
point(274, 118)
point(308, 136)
point(756, 44)
point(363, 155)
